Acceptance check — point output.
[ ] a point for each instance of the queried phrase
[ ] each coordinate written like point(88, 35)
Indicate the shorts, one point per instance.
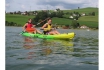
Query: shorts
point(30, 29)
point(46, 32)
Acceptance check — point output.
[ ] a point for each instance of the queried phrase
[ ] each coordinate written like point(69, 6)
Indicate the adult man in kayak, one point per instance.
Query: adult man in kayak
point(48, 28)
point(29, 27)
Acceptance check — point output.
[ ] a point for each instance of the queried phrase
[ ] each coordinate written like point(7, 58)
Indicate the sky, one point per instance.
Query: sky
point(33, 5)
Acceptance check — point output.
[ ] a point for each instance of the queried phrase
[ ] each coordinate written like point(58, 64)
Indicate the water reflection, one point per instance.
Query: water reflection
point(40, 49)
point(58, 45)
point(46, 47)
point(28, 43)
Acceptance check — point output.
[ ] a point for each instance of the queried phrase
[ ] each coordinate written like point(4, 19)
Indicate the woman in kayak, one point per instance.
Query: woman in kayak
point(29, 27)
point(48, 28)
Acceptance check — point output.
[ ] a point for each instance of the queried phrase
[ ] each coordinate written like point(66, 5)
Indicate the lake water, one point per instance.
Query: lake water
point(25, 53)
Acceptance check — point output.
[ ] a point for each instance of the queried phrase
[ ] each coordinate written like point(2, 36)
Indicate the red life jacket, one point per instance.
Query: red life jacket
point(29, 25)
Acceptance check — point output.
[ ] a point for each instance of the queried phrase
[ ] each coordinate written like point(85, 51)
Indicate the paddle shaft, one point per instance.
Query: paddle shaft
point(41, 21)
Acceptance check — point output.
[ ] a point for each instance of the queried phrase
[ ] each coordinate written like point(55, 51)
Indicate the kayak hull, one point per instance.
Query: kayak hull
point(60, 36)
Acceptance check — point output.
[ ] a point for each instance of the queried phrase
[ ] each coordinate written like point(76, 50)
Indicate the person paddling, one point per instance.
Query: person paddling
point(48, 28)
point(29, 27)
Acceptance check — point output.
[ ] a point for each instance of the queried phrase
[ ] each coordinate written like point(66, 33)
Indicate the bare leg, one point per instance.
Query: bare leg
point(38, 31)
point(56, 32)
point(34, 32)
point(52, 33)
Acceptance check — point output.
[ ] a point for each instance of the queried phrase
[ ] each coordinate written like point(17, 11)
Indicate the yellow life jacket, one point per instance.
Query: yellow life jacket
point(48, 27)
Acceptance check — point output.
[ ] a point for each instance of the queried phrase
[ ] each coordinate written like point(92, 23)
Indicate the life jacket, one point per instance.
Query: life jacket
point(29, 28)
point(48, 27)
point(29, 25)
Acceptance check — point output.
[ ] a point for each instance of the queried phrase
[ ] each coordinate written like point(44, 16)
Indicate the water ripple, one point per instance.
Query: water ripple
point(26, 53)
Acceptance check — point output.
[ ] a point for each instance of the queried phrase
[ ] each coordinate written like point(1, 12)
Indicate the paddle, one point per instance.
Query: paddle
point(42, 21)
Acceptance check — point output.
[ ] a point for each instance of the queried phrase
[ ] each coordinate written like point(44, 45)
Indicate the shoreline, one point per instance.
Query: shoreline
point(62, 28)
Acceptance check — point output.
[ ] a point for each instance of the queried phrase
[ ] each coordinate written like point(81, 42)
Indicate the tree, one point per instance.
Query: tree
point(19, 12)
point(15, 12)
point(74, 23)
point(53, 14)
point(40, 17)
point(58, 9)
point(6, 23)
point(93, 13)
point(60, 14)
point(11, 12)
point(76, 17)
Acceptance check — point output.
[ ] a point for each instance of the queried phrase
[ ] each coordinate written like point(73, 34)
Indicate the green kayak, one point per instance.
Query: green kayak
point(60, 36)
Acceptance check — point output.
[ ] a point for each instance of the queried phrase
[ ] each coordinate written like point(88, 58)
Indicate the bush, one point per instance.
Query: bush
point(93, 13)
point(10, 23)
point(74, 24)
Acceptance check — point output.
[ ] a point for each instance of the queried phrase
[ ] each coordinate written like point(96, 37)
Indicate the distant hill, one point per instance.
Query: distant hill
point(81, 10)
point(91, 21)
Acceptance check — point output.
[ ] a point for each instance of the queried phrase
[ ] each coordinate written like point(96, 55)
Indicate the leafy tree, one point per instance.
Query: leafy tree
point(74, 24)
point(76, 17)
point(60, 14)
point(6, 23)
point(11, 12)
point(19, 12)
point(15, 12)
point(78, 7)
point(93, 13)
point(58, 9)
point(53, 14)
point(40, 17)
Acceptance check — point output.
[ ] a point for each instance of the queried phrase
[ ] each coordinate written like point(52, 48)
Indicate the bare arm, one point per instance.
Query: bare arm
point(44, 26)
point(34, 25)
point(24, 26)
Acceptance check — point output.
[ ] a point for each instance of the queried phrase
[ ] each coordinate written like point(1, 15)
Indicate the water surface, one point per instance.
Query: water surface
point(25, 53)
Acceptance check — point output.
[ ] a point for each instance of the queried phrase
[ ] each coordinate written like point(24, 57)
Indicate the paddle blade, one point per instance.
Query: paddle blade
point(38, 23)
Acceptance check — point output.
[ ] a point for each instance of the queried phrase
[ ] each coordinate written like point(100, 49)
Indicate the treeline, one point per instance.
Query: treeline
point(11, 24)
point(28, 13)
point(57, 12)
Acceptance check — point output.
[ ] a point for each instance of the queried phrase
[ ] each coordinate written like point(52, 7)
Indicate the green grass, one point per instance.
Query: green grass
point(61, 21)
point(83, 10)
point(88, 18)
point(91, 21)
point(19, 19)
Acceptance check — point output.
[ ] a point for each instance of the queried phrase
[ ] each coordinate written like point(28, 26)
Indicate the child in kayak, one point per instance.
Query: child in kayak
point(29, 27)
point(48, 28)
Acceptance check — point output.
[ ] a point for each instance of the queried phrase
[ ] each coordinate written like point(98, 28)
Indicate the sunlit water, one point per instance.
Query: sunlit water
point(25, 53)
